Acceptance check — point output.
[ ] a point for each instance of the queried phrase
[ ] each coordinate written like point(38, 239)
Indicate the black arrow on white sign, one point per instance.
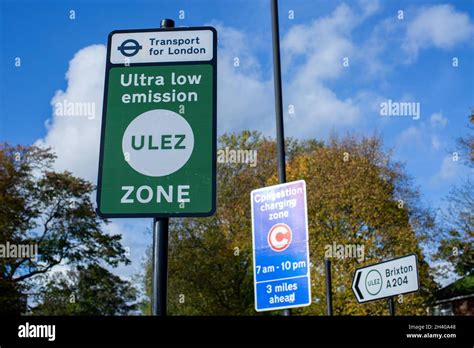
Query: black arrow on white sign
point(355, 286)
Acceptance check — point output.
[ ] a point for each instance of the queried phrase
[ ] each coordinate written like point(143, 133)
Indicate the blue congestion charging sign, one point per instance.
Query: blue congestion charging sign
point(280, 247)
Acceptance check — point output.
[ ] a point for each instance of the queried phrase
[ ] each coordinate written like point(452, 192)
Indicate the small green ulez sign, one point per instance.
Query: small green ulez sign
point(158, 141)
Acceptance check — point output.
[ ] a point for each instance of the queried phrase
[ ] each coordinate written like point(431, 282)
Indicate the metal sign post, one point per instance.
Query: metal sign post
point(160, 249)
point(158, 137)
point(280, 135)
point(327, 264)
point(391, 306)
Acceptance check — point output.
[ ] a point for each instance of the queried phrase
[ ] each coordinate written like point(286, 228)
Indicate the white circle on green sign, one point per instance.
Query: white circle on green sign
point(158, 142)
point(373, 282)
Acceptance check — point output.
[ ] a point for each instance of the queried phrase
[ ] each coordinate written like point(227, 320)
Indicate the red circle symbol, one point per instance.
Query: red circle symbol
point(279, 237)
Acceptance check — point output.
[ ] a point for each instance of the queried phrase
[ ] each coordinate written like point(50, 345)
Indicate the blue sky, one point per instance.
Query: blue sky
point(407, 59)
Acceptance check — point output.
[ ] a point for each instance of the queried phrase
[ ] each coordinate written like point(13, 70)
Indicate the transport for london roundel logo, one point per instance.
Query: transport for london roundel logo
point(279, 237)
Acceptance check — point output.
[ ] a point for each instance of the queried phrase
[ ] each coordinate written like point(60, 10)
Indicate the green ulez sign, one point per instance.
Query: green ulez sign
point(158, 140)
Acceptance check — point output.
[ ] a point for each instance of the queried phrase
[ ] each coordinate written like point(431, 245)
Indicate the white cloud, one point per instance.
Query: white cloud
point(409, 138)
point(136, 237)
point(369, 7)
point(437, 120)
point(439, 26)
point(393, 42)
point(321, 46)
point(424, 133)
point(448, 168)
point(75, 138)
point(451, 171)
point(435, 142)
point(245, 98)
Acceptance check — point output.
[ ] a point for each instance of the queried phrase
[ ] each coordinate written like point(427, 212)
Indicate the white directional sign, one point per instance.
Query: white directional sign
point(386, 279)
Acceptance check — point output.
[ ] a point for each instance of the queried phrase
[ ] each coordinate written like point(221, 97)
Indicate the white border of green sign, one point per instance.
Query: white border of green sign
point(109, 65)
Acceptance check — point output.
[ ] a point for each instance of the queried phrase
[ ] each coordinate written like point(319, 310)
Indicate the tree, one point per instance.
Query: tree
point(90, 290)
point(356, 195)
point(456, 235)
point(466, 144)
point(145, 278)
point(50, 210)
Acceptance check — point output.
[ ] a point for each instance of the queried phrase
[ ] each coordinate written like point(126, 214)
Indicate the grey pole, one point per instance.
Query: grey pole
point(327, 263)
point(391, 306)
point(160, 265)
point(160, 248)
point(280, 136)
